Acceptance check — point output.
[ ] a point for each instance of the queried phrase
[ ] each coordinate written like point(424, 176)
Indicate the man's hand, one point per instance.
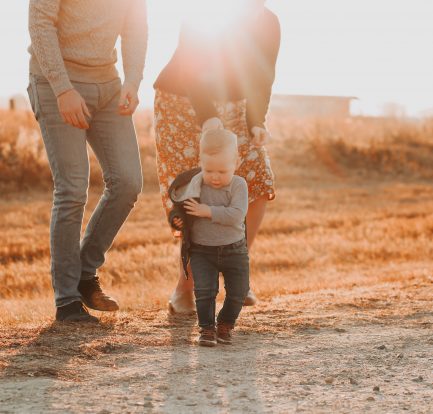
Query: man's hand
point(212, 123)
point(128, 100)
point(194, 208)
point(73, 109)
point(178, 223)
point(260, 136)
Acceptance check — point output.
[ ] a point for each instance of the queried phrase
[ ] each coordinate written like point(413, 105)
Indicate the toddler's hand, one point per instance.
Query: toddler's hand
point(260, 136)
point(178, 223)
point(194, 208)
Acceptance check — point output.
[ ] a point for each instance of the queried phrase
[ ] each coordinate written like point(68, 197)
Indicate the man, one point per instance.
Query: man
point(77, 97)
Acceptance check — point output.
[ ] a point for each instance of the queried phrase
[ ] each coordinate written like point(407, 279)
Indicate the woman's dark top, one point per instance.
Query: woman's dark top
point(239, 64)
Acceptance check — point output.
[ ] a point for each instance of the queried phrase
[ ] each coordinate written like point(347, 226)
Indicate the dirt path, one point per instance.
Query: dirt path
point(369, 349)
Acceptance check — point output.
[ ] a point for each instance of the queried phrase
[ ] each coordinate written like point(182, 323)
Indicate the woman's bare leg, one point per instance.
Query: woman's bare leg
point(256, 212)
point(182, 299)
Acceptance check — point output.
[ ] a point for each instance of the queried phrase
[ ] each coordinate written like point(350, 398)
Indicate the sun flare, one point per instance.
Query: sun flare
point(210, 17)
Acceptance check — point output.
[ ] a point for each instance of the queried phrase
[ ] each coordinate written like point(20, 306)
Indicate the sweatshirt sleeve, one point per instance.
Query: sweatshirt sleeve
point(134, 36)
point(237, 210)
point(43, 18)
point(258, 98)
point(194, 71)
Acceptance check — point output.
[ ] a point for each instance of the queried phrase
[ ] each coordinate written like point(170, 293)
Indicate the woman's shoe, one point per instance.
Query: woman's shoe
point(181, 304)
point(250, 299)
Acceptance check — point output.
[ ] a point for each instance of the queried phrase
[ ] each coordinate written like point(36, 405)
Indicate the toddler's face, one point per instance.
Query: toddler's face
point(218, 169)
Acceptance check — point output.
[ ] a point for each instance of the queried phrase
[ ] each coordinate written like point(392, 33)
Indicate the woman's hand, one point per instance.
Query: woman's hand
point(194, 208)
point(212, 123)
point(260, 136)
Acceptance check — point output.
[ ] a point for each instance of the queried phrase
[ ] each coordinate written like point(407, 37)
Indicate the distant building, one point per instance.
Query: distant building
point(300, 106)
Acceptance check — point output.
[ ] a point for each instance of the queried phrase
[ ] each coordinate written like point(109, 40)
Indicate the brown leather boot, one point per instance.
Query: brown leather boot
point(207, 337)
point(74, 312)
point(224, 333)
point(94, 297)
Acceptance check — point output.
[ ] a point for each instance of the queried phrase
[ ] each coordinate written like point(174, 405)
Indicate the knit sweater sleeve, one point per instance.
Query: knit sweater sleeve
point(234, 213)
point(43, 17)
point(134, 42)
point(258, 98)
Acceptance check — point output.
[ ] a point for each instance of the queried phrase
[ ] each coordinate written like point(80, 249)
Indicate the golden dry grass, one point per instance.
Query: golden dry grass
point(353, 208)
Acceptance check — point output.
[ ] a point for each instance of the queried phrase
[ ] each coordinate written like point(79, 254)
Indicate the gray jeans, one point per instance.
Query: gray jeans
point(113, 140)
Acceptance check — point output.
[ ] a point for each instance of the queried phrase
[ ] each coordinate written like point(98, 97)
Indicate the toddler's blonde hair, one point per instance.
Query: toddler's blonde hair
point(215, 141)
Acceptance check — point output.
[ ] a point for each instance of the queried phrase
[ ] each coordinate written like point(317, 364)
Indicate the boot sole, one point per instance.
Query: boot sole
point(78, 319)
point(208, 344)
point(224, 341)
point(112, 308)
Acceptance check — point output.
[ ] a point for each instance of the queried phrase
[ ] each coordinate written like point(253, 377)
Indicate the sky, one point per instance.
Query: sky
point(376, 50)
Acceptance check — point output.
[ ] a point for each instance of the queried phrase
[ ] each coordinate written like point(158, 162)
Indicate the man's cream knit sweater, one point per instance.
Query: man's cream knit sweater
point(74, 40)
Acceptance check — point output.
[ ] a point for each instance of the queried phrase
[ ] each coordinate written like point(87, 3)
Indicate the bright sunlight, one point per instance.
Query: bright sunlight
point(211, 18)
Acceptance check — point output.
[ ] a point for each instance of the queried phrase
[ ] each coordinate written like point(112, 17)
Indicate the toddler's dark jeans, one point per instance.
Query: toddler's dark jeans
point(206, 263)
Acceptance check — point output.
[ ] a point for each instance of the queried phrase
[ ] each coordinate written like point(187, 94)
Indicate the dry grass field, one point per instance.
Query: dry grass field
point(343, 269)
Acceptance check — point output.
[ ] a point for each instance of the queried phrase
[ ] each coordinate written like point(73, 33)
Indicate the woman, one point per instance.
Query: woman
point(215, 81)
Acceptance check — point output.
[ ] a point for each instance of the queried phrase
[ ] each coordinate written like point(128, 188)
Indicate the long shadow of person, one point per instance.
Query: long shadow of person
point(229, 375)
point(172, 386)
point(199, 379)
point(38, 359)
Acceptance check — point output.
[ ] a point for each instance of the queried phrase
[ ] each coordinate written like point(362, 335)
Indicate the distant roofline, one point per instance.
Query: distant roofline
point(279, 95)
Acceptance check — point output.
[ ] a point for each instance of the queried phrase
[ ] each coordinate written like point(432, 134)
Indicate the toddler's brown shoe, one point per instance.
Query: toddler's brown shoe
point(207, 337)
point(224, 333)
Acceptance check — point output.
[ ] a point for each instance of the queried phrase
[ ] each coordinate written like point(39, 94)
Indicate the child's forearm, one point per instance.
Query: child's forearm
point(228, 216)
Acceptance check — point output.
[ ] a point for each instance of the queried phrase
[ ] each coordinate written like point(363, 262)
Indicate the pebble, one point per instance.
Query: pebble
point(376, 388)
point(353, 381)
point(329, 380)
point(418, 379)
point(370, 399)
point(381, 347)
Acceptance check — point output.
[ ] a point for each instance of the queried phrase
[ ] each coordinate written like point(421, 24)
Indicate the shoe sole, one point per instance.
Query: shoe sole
point(78, 320)
point(208, 344)
point(114, 308)
point(224, 341)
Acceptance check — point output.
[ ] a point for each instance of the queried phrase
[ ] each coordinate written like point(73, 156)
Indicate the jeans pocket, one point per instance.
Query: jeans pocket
point(33, 100)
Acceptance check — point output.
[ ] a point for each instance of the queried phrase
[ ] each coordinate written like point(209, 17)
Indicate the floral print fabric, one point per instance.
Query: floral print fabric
point(177, 145)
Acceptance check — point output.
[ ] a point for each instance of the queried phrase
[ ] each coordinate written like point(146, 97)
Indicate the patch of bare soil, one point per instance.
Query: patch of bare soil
point(368, 349)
